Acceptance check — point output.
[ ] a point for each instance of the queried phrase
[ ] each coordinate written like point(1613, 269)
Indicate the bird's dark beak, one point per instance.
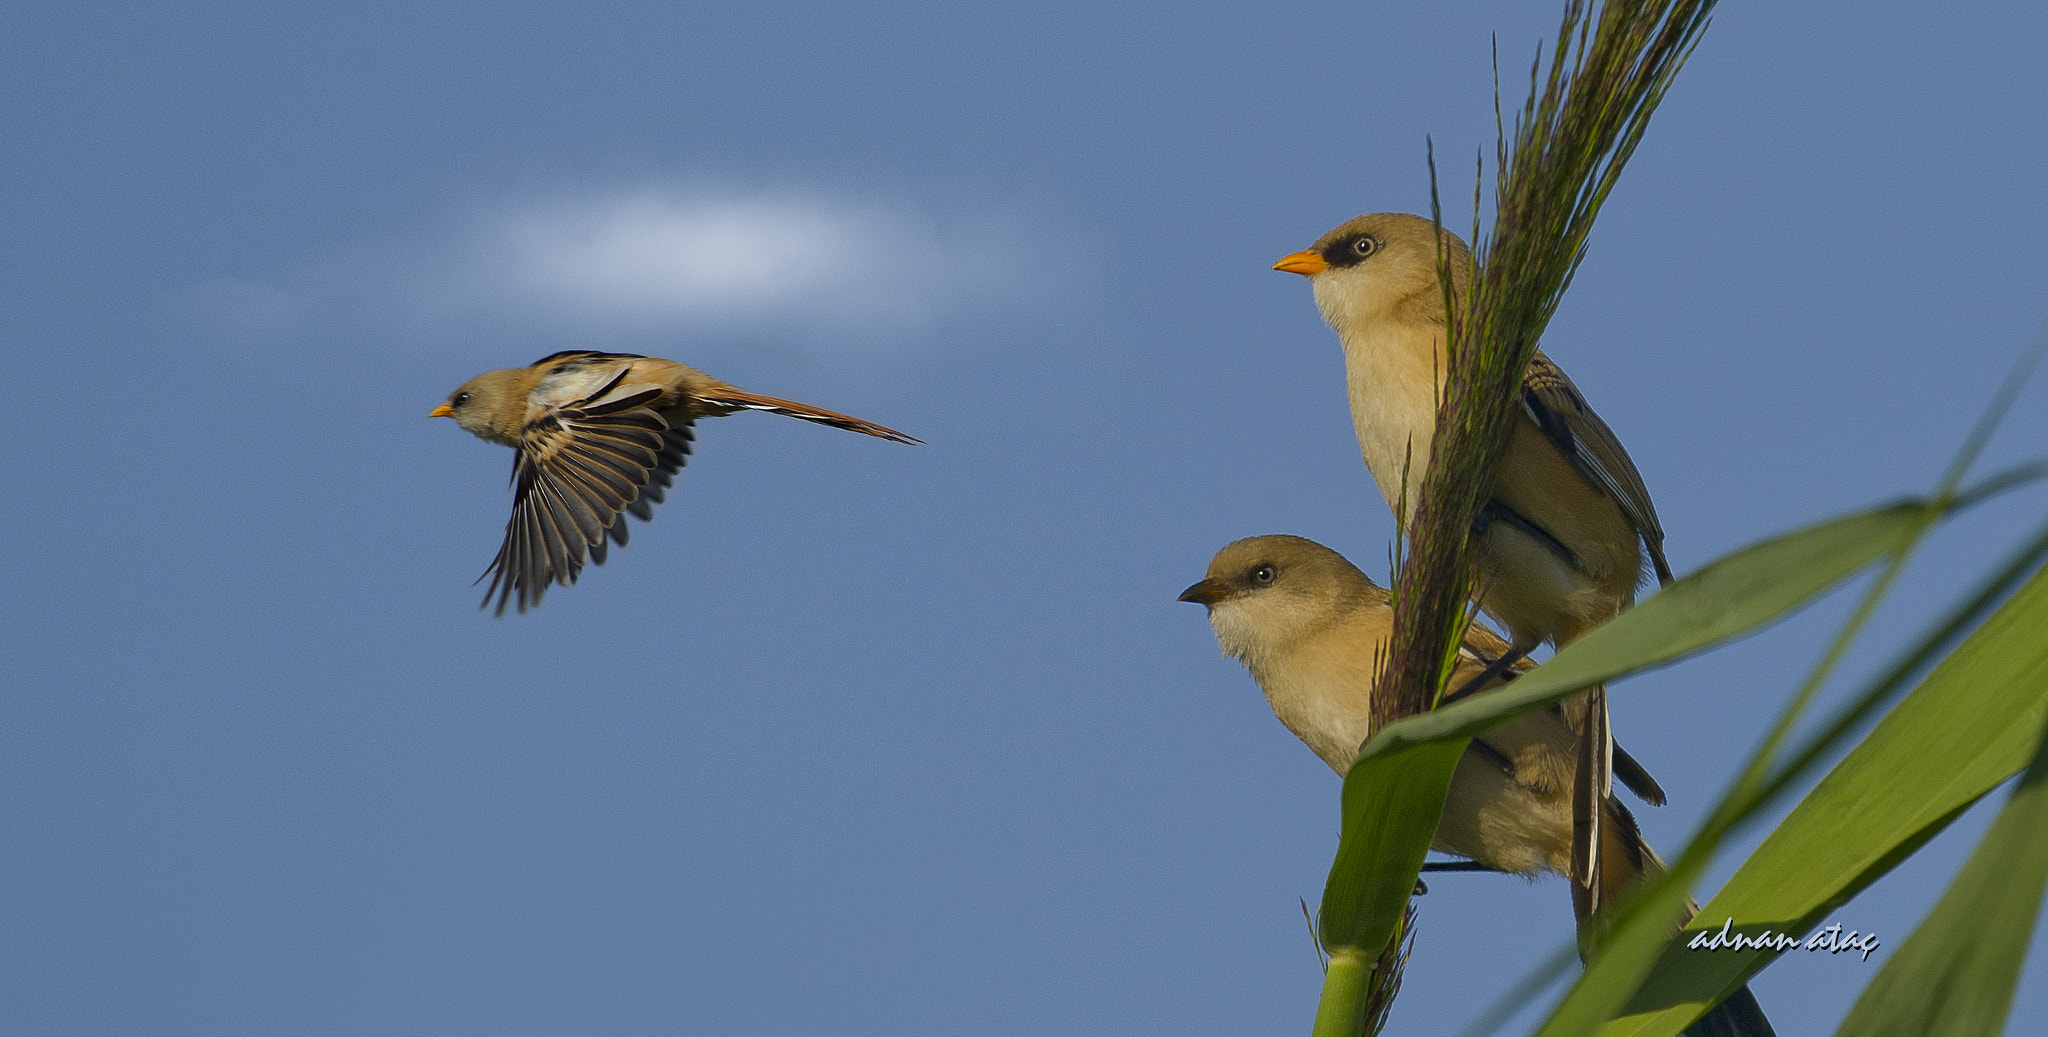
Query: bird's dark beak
point(1207, 592)
point(443, 411)
point(1307, 264)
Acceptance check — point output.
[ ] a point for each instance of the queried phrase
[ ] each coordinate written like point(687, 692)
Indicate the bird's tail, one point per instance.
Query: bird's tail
point(1626, 859)
point(1593, 882)
point(1738, 1015)
point(740, 399)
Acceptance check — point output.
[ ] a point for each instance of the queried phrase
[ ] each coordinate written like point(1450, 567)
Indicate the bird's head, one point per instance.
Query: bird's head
point(1379, 267)
point(1265, 592)
point(492, 405)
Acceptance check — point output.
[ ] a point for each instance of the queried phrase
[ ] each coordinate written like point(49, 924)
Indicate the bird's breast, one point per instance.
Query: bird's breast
point(1393, 374)
point(1323, 693)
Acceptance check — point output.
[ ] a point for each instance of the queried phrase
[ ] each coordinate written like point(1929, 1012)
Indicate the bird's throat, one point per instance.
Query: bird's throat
point(1393, 374)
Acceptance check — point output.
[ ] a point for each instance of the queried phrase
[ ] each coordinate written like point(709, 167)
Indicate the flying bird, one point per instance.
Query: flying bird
point(599, 436)
point(1314, 630)
point(1569, 530)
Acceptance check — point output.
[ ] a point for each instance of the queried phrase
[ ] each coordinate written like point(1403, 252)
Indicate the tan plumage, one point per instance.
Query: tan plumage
point(1567, 546)
point(1569, 530)
point(1313, 630)
point(599, 436)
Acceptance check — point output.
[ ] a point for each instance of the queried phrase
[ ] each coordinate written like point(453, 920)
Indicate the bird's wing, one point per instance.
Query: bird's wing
point(578, 469)
point(582, 356)
point(584, 380)
point(1554, 403)
point(1482, 648)
point(727, 398)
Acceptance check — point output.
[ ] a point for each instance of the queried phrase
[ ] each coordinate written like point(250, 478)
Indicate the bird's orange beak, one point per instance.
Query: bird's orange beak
point(1207, 592)
point(443, 411)
point(1307, 264)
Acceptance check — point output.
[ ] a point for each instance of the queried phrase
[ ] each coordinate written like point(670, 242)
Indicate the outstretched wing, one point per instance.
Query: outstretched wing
point(1557, 408)
point(580, 468)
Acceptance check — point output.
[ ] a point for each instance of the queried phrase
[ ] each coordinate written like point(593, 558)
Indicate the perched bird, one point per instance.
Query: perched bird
point(1570, 522)
point(599, 436)
point(1564, 538)
point(1313, 630)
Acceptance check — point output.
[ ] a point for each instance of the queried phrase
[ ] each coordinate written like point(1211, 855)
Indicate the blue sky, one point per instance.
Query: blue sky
point(858, 738)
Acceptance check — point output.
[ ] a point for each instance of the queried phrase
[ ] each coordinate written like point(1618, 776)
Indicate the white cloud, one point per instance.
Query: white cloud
point(651, 255)
point(654, 260)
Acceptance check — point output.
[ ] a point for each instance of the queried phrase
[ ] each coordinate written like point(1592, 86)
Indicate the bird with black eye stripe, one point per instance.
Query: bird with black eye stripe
point(1568, 531)
point(1570, 528)
point(599, 436)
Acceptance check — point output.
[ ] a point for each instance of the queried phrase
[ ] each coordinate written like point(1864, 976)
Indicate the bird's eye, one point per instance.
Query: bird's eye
point(1264, 575)
point(1363, 247)
point(461, 398)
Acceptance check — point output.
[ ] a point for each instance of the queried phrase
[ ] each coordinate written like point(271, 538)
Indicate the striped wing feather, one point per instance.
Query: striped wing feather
point(1565, 417)
point(1482, 647)
point(578, 470)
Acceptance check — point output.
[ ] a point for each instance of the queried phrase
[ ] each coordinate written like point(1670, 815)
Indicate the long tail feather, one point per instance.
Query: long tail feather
point(1628, 858)
point(1590, 792)
point(741, 400)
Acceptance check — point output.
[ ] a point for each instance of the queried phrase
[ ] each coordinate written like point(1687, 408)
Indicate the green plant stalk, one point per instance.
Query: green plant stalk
point(1573, 137)
point(1356, 1000)
point(1341, 1012)
point(1441, 546)
point(1756, 784)
point(1571, 143)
